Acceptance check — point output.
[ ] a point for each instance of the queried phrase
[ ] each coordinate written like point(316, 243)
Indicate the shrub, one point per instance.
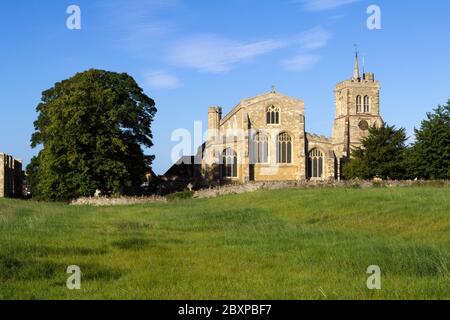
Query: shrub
point(180, 195)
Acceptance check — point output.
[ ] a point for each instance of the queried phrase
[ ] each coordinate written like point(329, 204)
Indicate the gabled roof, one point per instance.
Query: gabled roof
point(257, 99)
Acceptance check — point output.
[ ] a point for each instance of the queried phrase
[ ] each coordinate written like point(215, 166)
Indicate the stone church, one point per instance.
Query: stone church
point(264, 139)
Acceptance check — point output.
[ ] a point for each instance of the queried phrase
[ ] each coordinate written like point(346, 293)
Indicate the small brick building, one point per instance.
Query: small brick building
point(11, 176)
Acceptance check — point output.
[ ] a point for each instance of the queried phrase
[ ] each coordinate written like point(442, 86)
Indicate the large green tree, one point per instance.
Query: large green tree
point(382, 155)
point(429, 157)
point(92, 129)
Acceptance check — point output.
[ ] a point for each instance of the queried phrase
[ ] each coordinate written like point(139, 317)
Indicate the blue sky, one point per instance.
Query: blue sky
point(191, 54)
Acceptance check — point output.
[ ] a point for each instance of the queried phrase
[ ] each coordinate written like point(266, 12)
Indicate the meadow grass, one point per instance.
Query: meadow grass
point(286, 244)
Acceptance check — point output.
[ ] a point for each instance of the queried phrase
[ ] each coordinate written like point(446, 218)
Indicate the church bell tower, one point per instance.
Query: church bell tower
point(357, 109)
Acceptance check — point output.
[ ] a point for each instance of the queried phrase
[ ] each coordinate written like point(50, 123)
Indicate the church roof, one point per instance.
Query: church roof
point(316, 137)
point(257, 99)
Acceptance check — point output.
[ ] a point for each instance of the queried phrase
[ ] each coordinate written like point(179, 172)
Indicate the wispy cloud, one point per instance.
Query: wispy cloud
point(148, 30)
point(321, 5)
point(301, 62)
point(137, 25)
point(161, 80)
point(314, 38)
point(309, 41)
point(211, 53)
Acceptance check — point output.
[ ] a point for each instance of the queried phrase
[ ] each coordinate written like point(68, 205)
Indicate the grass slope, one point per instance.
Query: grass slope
point(287, 244)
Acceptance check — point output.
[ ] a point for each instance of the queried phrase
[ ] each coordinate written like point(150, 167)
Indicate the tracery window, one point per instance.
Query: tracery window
point(284, 148)
point(366, 104)
point(273, 115)
point(261, 148)
point(229, 163)
point(358, 104)
point(315, 164)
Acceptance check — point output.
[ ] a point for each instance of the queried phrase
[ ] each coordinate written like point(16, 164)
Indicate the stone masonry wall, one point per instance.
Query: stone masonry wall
point(279, 185)
point(250, 116)
point(2, 175)
point(11, 176)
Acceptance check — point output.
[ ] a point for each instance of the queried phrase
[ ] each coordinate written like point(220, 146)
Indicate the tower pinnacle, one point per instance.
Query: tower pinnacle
point(356, 69)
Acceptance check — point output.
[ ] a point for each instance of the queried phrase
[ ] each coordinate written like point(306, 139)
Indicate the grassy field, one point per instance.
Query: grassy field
point(287, 244)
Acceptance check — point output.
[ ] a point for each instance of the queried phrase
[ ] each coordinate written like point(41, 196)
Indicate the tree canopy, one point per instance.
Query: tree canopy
point(382, 155)
point(92, 129)
point(429, 157)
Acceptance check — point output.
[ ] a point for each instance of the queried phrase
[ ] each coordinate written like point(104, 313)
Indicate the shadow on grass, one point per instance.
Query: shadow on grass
point(32, 270)
point(144, 243)
point(46, 251)
point(133, 244)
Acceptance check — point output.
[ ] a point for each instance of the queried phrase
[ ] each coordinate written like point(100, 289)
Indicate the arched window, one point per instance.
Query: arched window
point(284, 148)
point(315, 164)
point(229, 163)
point(358, 104)
point(366, 104)
point(273, 115)
point(260, 148)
